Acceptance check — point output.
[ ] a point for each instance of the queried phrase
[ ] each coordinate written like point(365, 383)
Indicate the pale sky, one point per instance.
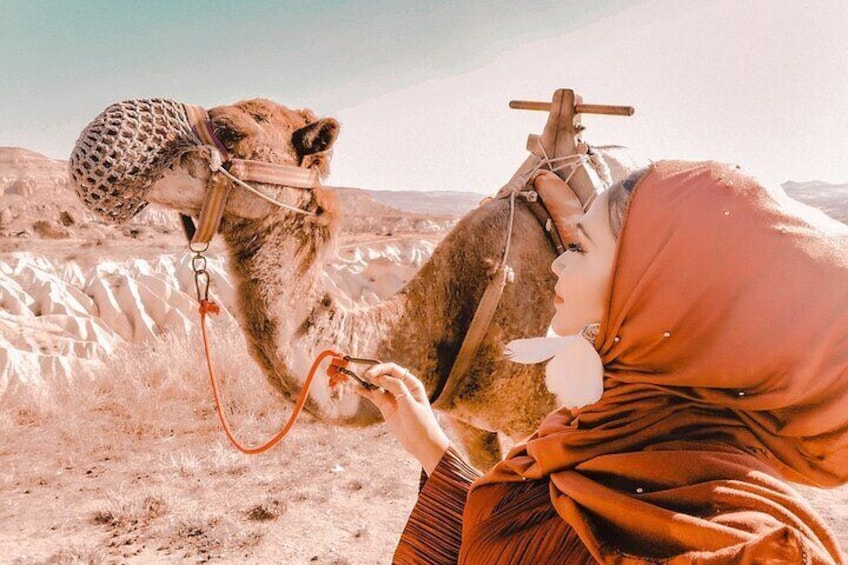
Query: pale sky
point(422, 89)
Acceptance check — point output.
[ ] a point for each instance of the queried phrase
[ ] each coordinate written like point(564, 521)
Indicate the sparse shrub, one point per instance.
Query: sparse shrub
point(266, 511)
point(71, 555)
point(49, 230)
point(122, 514)
point(66, 219)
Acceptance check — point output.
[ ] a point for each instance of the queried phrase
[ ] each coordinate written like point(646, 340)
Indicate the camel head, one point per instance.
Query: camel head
point(144, 151)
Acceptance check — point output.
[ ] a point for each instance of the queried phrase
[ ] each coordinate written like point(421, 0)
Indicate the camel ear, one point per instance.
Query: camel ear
point(316, 137)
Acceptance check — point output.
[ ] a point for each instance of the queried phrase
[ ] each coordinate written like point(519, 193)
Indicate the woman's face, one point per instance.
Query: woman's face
point(583, 272)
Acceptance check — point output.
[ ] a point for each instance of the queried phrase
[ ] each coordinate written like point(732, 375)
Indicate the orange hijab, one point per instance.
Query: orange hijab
point(725, 351)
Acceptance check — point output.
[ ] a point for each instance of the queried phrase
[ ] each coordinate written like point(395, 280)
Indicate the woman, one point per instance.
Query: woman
point(723, 333)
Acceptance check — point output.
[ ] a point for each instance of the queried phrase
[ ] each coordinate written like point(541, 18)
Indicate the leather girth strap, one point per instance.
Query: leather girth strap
point(485, 313)
point(478, 329)
point(535, 204)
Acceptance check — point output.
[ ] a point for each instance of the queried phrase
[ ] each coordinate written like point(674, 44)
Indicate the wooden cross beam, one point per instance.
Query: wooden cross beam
point(561, 137)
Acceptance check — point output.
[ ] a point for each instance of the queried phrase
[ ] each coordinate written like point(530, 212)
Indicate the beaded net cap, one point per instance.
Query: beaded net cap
point(124, 151)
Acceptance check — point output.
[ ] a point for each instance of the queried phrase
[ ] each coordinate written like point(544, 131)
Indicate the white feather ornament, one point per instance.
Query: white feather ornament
point(535, 349)
point(574, 373)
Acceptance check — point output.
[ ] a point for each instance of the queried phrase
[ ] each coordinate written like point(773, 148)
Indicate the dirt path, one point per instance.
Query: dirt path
point(102, 493)
point(326, 496)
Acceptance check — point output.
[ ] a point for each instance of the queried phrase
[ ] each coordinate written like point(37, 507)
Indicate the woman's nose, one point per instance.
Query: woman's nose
point(559, 263)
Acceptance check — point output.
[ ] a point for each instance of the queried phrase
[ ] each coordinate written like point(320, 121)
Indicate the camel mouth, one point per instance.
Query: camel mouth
point(343, 407)
point(121, 154)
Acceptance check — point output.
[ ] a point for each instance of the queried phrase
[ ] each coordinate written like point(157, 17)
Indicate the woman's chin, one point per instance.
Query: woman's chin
point(564, 327)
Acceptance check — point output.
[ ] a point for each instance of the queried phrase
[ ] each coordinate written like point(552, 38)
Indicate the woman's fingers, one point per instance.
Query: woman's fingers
point(383, 400)
point(398, 380)
point(393, 385)
point(383, 369)
point(415, 386)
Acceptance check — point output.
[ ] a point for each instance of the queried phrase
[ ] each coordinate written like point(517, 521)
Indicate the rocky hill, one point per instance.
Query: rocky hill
point(36, 201)
point(832, 199)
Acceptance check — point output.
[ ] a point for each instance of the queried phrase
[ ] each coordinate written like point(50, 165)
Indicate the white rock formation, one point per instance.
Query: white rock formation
point(59, 320)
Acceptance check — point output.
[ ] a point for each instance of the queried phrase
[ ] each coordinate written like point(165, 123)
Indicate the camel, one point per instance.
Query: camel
point(277, 258)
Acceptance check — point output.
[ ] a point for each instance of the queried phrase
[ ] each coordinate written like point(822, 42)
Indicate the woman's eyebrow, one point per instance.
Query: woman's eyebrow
point(580, 228)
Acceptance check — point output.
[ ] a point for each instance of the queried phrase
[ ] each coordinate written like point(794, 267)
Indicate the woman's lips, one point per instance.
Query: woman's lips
point(557, 299)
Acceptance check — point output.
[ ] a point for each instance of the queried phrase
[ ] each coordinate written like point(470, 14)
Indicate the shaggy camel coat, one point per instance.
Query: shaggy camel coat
point(725, 347)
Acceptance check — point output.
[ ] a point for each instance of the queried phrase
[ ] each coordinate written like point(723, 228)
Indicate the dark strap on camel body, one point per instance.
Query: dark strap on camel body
point(482, 320)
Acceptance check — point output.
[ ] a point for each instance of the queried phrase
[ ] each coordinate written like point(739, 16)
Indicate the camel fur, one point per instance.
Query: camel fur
point(277, 259)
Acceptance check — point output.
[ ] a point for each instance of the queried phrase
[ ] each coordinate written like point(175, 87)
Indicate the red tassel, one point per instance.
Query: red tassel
point(336, 377)
point(209, 307)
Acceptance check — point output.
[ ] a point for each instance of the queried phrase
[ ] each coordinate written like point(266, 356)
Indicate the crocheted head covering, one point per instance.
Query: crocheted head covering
point(725, 352)
point(124, 151)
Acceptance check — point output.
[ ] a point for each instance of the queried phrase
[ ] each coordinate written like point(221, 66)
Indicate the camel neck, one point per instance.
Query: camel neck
point(289, 314)
point(277, 278)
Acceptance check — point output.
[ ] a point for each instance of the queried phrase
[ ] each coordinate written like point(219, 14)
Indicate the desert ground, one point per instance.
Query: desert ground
point(123, 460)
point(111, 451)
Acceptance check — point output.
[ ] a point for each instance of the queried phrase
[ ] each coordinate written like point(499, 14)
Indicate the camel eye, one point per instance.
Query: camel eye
point(228, 135)
point(259, 118)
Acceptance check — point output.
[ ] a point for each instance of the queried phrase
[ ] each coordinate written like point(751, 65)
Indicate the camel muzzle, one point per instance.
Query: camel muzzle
point(121, 154)
point(125, 150)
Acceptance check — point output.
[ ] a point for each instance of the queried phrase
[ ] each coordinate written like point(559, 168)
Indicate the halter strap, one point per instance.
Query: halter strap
point(270, 173)
point(239, 171)
point(201, 125)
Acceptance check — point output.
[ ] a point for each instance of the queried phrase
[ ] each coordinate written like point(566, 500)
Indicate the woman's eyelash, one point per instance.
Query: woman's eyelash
point(575, 247)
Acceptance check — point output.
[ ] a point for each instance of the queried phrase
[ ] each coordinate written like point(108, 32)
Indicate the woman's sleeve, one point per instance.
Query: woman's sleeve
point(433, 532)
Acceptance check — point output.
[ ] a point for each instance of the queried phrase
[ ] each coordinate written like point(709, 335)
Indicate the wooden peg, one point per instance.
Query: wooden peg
point(604, 109)
point(561, 138)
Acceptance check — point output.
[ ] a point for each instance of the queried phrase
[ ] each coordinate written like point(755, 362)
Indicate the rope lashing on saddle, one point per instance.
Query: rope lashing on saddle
point(488, 305)
point(573, 162)
point(536, 204)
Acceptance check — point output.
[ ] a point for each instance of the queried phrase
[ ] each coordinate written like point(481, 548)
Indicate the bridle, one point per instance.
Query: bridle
point(228, 171)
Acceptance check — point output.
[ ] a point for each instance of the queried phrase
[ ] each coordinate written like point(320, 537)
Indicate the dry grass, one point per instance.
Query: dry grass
point(128, 465)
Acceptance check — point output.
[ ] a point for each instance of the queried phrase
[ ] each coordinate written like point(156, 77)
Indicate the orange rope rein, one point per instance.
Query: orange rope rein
point(209, 307)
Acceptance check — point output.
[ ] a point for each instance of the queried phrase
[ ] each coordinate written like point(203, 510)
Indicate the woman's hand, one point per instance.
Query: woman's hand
point(403, 402)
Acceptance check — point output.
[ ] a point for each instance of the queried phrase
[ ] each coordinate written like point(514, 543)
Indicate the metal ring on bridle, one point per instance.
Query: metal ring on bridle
point(204, 295)
point(198, 263)
point(201, 247)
